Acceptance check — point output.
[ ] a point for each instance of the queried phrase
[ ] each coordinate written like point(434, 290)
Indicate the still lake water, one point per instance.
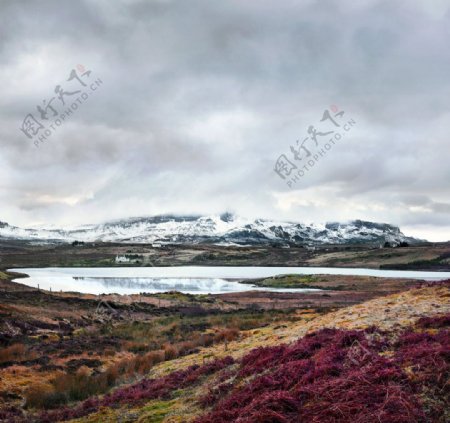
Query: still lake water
point(187, 279)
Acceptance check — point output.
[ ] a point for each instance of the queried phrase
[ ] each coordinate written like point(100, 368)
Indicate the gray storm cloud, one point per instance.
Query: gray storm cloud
point(200, 98)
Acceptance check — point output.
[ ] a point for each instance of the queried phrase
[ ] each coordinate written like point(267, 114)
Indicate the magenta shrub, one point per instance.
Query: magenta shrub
point(436, 322)
point(341, 376)
point(11, 415)
point(428, 358)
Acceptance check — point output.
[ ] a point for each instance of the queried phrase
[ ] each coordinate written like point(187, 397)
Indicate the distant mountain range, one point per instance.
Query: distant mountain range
point(226, 229)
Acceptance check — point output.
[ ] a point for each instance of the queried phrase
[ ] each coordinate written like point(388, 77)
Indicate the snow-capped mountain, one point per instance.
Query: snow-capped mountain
point(223, 229)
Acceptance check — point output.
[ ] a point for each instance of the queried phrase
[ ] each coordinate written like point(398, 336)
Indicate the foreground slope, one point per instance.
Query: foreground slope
point(386, 360)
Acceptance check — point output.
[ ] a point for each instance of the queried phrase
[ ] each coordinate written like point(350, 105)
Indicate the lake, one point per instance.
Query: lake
point(187, 279)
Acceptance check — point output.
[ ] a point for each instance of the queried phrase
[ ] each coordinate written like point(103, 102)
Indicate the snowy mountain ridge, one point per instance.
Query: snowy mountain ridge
point(215, 229)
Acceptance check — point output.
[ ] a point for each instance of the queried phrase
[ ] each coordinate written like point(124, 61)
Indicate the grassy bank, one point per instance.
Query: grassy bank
point(286, 281)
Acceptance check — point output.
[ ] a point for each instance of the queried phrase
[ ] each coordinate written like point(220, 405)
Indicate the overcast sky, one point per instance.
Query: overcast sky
point(198, 100)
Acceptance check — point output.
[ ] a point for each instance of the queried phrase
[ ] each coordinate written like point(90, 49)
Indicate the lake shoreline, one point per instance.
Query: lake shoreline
point(198, 279)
